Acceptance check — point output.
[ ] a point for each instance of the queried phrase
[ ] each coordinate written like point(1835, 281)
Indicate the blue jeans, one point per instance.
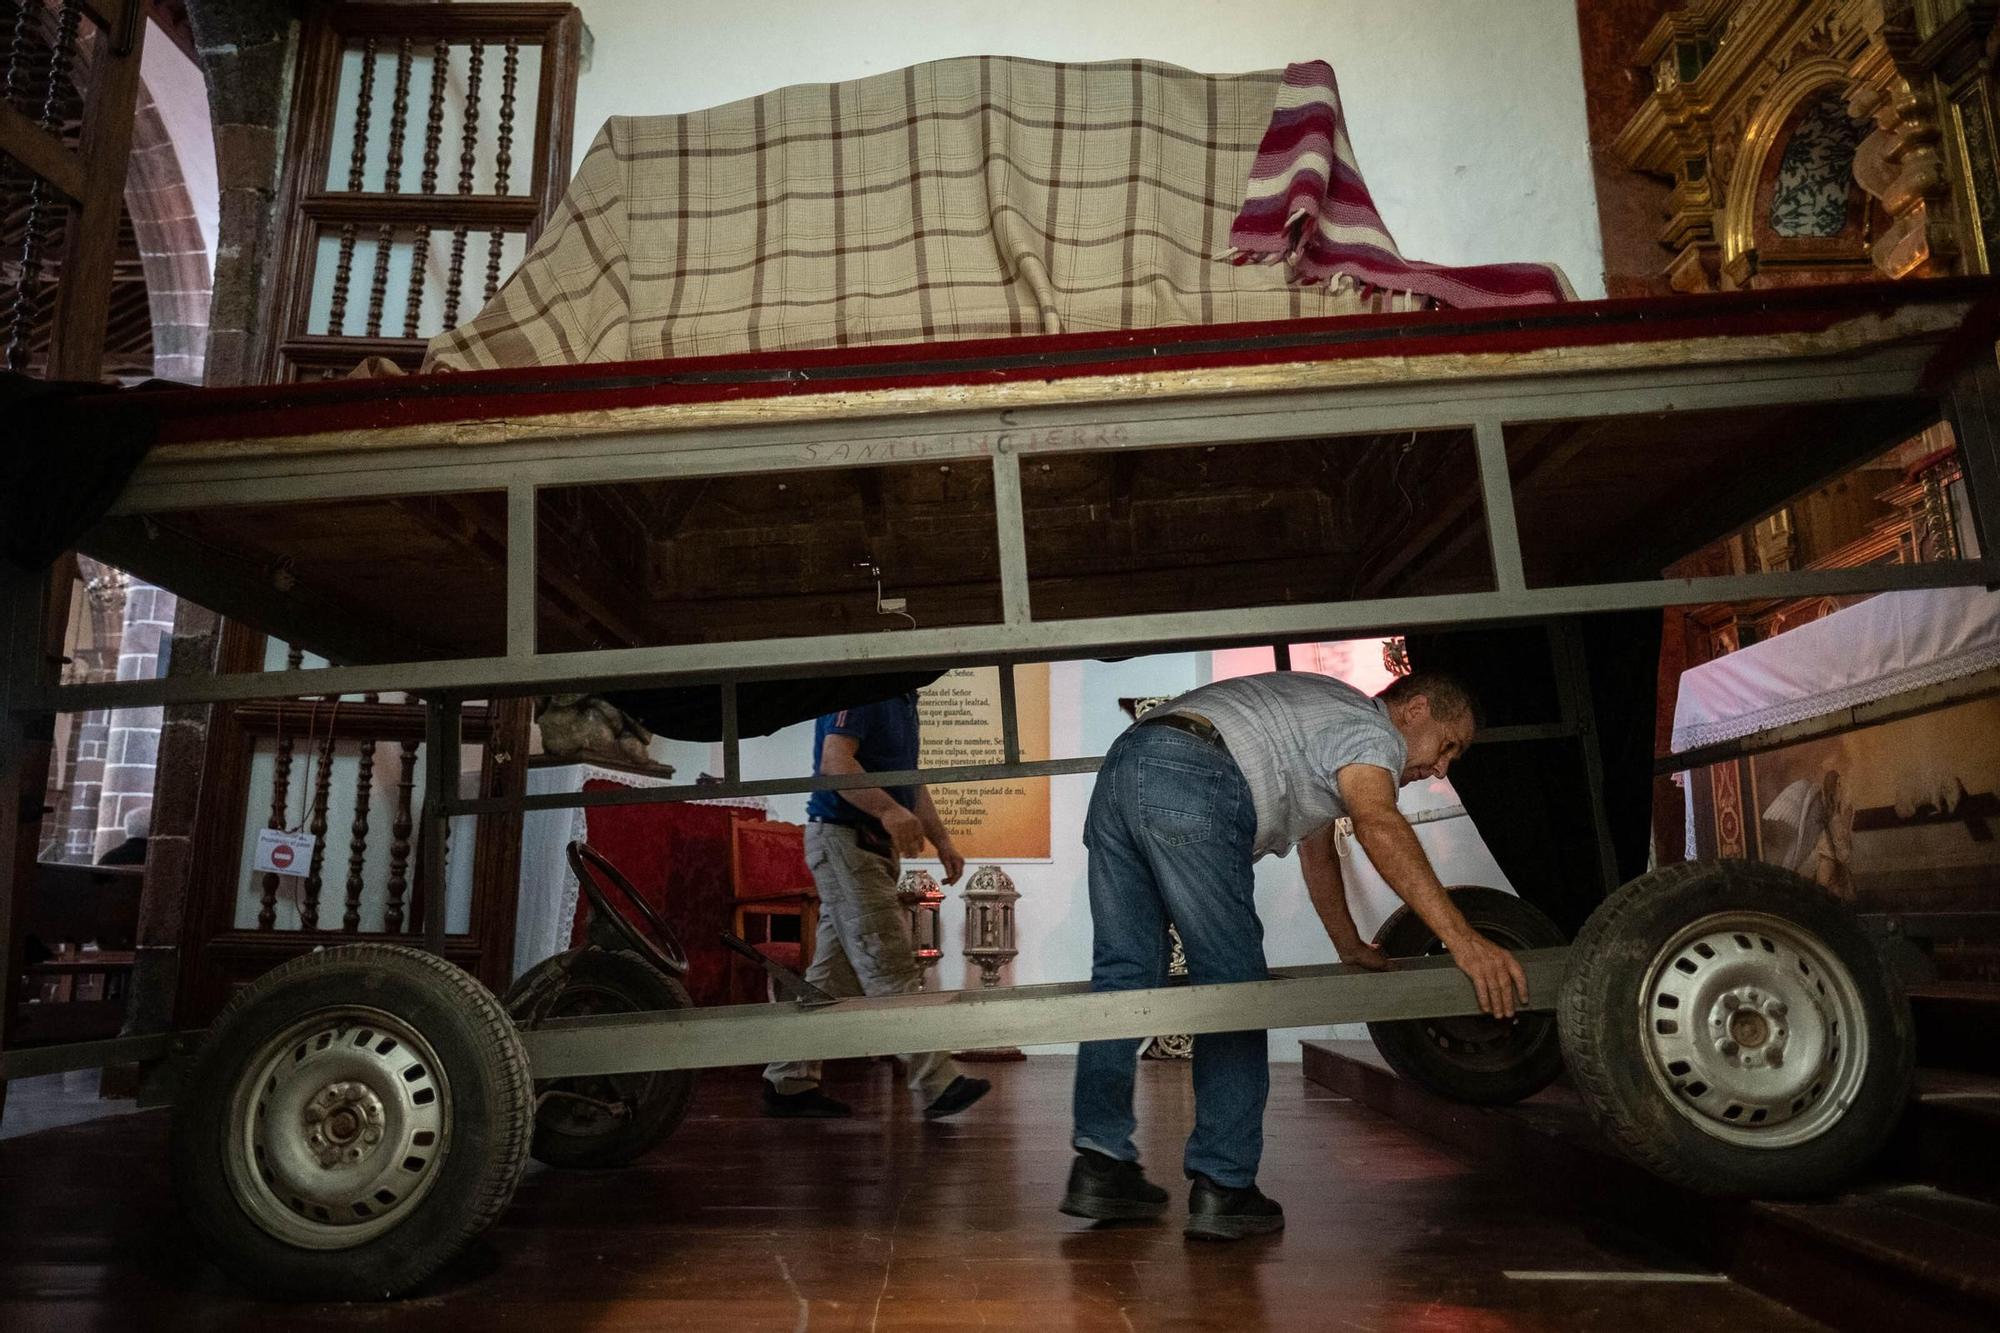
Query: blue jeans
point(1170, 832)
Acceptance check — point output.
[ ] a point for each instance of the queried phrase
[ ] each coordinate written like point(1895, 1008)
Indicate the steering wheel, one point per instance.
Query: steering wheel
point(652, 938)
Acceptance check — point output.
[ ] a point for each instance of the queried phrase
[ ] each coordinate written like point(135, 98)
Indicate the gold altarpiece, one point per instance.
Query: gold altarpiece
point(1813, 141)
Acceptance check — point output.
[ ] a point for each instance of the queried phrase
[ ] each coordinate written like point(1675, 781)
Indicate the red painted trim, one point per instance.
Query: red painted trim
point(347, 405)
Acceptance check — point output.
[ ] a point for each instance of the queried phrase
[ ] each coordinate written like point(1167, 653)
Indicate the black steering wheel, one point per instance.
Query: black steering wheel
point(655, 942)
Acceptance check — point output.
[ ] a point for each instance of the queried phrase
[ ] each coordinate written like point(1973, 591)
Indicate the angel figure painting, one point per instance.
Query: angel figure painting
point(1897, 817)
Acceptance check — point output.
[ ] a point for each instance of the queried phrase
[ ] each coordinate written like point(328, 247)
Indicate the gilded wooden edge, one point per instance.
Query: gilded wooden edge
point(1853, 335)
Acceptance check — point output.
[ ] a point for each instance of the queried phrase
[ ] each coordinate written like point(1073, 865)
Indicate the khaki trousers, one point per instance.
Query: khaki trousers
point(863, 948)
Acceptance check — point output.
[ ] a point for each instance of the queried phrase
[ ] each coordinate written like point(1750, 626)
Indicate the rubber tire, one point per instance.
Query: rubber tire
point(1600, 1017)
point(664, 1097)
point(1529, 1059)
point(492, 1115)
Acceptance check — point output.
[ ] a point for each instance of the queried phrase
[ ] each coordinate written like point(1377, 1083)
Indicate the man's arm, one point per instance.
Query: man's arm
point(940, 836)
point(1370, 795)
point(1328, 893)
point(837, 754)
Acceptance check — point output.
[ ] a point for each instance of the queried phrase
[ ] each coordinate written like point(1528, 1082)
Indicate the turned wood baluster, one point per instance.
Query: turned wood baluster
point(357, 178)
point(17, 56)
point(433, 135)
point(467, 155)
point(42, 206)
point(392, 183)
point(399, 839)
point(510, 70)
point(322, 788)
point(281, 786)
point(357, 849)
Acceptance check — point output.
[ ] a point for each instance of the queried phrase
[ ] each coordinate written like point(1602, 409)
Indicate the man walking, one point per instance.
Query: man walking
point(855, 841)
point(1185, 802)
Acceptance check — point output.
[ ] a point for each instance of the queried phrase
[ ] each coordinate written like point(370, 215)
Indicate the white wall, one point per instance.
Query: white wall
point(1468, 115)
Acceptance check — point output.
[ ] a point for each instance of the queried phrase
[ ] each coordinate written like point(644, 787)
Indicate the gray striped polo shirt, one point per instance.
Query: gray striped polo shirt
point(1291, 732)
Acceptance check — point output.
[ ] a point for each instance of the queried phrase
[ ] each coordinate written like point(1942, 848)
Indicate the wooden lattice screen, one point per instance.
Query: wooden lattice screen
point(406, 193)
point(71, 75)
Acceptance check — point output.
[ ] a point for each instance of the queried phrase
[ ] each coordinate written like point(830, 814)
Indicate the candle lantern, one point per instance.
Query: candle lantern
point(989, 939)
point(921, 898)
point(989, 922)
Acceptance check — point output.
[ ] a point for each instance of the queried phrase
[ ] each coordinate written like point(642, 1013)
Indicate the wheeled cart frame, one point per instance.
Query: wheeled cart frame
point(1749, 1002)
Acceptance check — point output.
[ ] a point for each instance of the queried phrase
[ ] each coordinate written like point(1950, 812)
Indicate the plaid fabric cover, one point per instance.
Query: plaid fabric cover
point(1308, 209)
point(974, 197)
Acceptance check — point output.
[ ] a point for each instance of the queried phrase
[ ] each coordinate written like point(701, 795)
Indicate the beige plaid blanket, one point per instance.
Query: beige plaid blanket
point(974, 197)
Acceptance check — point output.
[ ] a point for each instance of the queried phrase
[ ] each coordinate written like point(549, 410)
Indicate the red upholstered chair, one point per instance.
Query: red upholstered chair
point(678, 858)
point(768, 871)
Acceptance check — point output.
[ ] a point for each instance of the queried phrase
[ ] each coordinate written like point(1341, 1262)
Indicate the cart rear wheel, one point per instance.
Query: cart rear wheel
point(354, 1119)
point(1473, 1058)
point(611, 1119)
point(1732, 1030)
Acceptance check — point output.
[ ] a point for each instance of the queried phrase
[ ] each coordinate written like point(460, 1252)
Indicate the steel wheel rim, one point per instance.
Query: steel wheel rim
point(338, 1129)
point(1754, 1030)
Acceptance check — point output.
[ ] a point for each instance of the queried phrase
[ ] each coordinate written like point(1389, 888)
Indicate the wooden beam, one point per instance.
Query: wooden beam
point(41, 152)
point(475, 212)
point(83, 301)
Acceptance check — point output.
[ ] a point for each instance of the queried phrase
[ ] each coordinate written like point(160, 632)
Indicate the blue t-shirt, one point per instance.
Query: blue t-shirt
point(887, 736)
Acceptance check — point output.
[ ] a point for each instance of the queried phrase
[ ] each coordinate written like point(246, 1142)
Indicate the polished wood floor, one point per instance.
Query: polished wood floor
point(886, 1222)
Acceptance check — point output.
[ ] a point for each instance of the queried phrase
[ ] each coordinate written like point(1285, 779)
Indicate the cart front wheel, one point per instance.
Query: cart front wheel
point(1731, 1028)
point(353, 1120)
point(610, 1119)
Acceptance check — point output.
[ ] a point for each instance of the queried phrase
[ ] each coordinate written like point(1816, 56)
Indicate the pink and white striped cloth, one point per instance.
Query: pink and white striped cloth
point(1308, 208)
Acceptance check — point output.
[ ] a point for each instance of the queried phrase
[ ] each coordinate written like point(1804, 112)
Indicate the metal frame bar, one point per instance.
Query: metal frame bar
point(522, 628)
point(442, 739)
point(1973, 408)
point(34, 1060)
point(1292, 997)
point(21, 625)
point(1579, 715)
point(1038, 640)
point(1496, 488)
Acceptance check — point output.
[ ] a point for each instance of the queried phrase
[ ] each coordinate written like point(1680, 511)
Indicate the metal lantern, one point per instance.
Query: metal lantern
point(989, 921)
point(921, 898)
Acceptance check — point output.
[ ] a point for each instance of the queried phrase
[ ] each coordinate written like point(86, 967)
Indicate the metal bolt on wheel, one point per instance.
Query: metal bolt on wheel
point(339, 1128)
point(1754, 1030)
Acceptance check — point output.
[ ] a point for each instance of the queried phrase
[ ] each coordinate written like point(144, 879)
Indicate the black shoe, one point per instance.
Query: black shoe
point(1105, 1189)
point(958, 1094)
point(812, 1104)
point(1216, 1212)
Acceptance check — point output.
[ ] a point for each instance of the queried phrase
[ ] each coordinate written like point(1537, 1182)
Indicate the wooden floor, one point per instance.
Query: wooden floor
point(884, 1221)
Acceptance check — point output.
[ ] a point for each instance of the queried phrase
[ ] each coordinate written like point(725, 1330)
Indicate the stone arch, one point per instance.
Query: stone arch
point(171, 249)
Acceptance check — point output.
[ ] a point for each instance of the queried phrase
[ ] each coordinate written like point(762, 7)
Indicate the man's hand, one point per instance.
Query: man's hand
point(905, 830)
point(1365, 955)
point(954, 864)
point(1498, 978)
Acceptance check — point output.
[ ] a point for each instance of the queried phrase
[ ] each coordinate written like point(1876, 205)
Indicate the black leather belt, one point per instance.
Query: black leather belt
point(1198, 727)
